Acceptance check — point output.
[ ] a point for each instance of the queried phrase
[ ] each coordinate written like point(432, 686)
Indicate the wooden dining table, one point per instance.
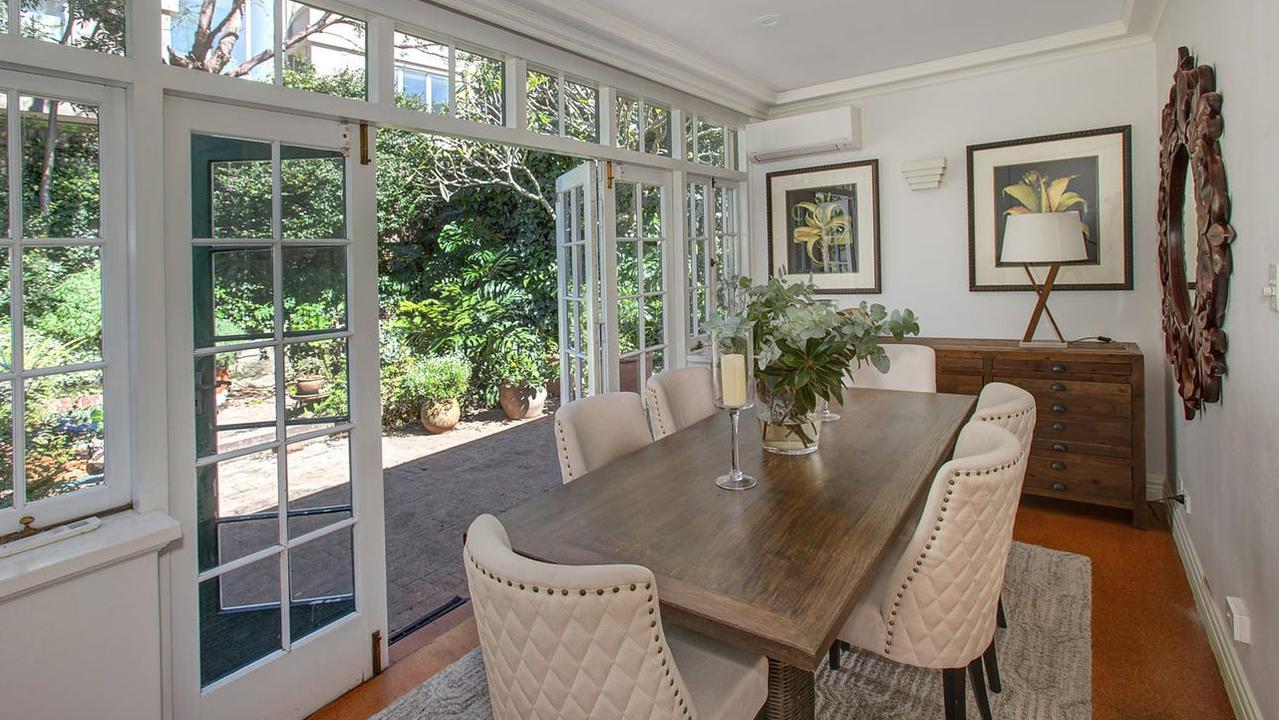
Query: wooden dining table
point(775, 569)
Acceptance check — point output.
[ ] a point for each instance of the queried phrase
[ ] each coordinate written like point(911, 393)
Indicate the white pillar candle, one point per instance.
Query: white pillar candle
point(732, 379)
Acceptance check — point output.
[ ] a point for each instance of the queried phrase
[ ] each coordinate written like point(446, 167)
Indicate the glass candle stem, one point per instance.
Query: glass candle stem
point(736, 472)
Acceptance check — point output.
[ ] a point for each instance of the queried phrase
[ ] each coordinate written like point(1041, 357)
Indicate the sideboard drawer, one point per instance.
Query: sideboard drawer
point(1061, 368)
point(1077, 397)
point(1119, 449)
point(1068, 473)
point(1098, 432)
point(959, 384)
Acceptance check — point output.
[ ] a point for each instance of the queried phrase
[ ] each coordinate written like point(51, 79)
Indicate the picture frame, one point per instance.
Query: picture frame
point(1089, 171)
point(823, 226)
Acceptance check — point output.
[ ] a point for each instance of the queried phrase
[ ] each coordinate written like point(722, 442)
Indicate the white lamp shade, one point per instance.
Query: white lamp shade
point(1043, 238)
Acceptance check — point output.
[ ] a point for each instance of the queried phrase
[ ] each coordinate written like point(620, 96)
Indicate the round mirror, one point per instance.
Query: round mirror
point(1194, 234)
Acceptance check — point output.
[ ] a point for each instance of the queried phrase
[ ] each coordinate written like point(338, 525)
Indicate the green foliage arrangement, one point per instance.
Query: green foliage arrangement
point(804, 348)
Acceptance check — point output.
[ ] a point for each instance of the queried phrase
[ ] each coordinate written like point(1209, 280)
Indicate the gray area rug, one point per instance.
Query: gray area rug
point(1045, 660)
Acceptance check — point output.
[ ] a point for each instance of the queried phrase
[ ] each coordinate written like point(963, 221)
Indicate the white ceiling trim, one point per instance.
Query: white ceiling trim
point(612, 41)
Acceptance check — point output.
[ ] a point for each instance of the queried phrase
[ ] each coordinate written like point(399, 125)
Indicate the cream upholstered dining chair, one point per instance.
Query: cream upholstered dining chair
point(934, 605)
point(1013, 409)
point(911, 367)
point(596, 430)
point(587, 641)
point(679, 398)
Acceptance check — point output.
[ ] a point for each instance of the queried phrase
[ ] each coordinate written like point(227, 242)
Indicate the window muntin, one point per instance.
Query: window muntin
point(99, 25)
point(56, 252)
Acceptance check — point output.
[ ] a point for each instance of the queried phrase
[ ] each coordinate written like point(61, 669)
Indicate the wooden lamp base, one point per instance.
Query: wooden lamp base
point(1041, 308)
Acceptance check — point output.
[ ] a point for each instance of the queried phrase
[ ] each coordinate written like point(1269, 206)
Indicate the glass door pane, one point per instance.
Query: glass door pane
point(639, 237)
point(270, 276)
point(578, 301)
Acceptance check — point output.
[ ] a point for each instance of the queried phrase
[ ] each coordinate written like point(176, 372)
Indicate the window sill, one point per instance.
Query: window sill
point(121, 536)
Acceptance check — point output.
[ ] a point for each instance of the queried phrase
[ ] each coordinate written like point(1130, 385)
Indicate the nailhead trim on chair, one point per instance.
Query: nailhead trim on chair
point(910, 577)
point(657, 638)
point(559, 428)
point(655, 407)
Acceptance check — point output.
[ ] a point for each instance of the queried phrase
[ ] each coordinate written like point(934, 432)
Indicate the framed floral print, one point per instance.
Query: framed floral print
point(1088, 171)
point(823, 226)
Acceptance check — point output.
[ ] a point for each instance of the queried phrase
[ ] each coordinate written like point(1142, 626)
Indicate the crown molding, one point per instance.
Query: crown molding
point(580, 28)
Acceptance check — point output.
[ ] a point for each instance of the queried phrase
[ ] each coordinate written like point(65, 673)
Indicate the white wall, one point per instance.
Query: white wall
point(924, 234)
point(85, 648)
point(1226, 459)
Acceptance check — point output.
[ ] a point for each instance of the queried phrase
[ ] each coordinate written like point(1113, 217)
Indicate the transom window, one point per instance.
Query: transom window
point(97, 25)
point(643, 125)
point(559, 105)
point(709, 143)
point(60, 267)
point(474, 81)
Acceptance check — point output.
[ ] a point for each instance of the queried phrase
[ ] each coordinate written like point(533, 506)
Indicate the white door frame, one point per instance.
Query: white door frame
point(573, 190)
point(290, 683)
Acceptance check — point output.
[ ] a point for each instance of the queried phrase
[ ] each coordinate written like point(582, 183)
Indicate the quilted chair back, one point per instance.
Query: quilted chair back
point(1011, 408)
point(568, 642)
point(939, 609)
point(679, 398)
point(596, 430)
point(911, 367)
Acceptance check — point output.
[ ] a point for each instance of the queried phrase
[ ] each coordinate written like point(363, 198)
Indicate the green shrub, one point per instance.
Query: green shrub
point(436, 379)
point(524, 360)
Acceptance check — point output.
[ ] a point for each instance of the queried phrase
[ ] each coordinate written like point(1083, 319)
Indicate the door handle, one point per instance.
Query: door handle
point(1057, 387)
point(1058, 368)
point(1059, 447)
point(1057, 465)
point(1059, 407)
point(1059, 426)
point(1059, 486)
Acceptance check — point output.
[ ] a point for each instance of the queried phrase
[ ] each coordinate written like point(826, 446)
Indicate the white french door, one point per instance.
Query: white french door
point(616, 254)
point(277, 599)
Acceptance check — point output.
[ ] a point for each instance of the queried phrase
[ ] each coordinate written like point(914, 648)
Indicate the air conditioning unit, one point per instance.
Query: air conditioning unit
point(814, 133)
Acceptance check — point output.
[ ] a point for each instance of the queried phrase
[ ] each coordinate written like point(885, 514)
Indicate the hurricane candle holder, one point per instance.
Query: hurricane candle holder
point(733, 378)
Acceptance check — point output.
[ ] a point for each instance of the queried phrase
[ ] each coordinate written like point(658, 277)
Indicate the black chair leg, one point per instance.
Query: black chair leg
point(979, 688)
point(956, 696)
point(992, 668)
point(834, 655)
point(1000, 619)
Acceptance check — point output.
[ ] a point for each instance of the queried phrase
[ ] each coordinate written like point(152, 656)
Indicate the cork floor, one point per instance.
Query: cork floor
point(1150, 656)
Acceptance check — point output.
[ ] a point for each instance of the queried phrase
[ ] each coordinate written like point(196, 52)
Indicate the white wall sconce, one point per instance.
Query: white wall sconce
point(924, 174)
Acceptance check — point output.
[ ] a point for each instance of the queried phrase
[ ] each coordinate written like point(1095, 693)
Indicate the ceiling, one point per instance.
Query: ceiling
point(822, 51)
point(819, 41)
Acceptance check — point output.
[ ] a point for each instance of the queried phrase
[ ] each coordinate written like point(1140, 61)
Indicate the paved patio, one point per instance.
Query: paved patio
point(435, 485)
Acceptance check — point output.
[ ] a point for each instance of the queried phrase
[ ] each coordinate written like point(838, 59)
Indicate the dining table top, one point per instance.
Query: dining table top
point(775, 569)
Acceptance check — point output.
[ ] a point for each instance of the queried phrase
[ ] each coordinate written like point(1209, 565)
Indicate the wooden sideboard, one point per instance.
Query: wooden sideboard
point(1090, 436)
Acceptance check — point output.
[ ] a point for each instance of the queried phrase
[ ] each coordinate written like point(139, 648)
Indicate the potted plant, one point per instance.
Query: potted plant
point(803, 349)
point(439, 383)
point(524, 371)
point(308, 377)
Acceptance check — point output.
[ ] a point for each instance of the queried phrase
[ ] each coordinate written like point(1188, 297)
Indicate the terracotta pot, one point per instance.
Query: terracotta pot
point(440, 417)
point(309, 384)
point(520, 403)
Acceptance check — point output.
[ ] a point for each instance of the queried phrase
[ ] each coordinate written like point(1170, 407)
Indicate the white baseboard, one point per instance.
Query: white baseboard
point(1219, 636)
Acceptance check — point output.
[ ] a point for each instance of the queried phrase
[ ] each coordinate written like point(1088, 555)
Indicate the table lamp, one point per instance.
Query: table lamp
point(1043, 239)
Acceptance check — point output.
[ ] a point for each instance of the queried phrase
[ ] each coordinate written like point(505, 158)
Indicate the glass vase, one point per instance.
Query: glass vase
point(786, 429)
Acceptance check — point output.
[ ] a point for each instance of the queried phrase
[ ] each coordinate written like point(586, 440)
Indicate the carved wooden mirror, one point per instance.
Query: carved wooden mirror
point(1194, 233)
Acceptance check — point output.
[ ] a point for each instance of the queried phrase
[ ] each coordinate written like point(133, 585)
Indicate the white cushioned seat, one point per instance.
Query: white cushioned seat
point(596, 430)
point(679, 398)
point(911, 367)
point(577, 642)
point(1009, 407)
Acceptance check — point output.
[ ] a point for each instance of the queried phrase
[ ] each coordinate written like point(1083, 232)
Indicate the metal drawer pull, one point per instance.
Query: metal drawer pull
point(1058, 367)
point(1059, 447)
point(1059, 486)
point(1057, 387)
point(1057, 465)
point(1059, 407)
point(1059, 426)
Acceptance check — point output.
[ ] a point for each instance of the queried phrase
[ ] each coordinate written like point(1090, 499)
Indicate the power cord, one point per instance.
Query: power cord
point(1098, 338)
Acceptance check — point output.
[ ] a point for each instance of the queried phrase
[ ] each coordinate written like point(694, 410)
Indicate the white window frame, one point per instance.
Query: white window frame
point(116, 489)
point(643, 103)
point(454, 46)
point(731, 135)
point(561, 81)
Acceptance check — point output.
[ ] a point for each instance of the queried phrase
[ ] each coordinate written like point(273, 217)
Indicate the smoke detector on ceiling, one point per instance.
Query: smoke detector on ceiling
point(771, 20)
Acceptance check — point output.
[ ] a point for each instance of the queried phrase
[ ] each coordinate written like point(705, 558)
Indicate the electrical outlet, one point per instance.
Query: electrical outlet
point(1239, 621)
